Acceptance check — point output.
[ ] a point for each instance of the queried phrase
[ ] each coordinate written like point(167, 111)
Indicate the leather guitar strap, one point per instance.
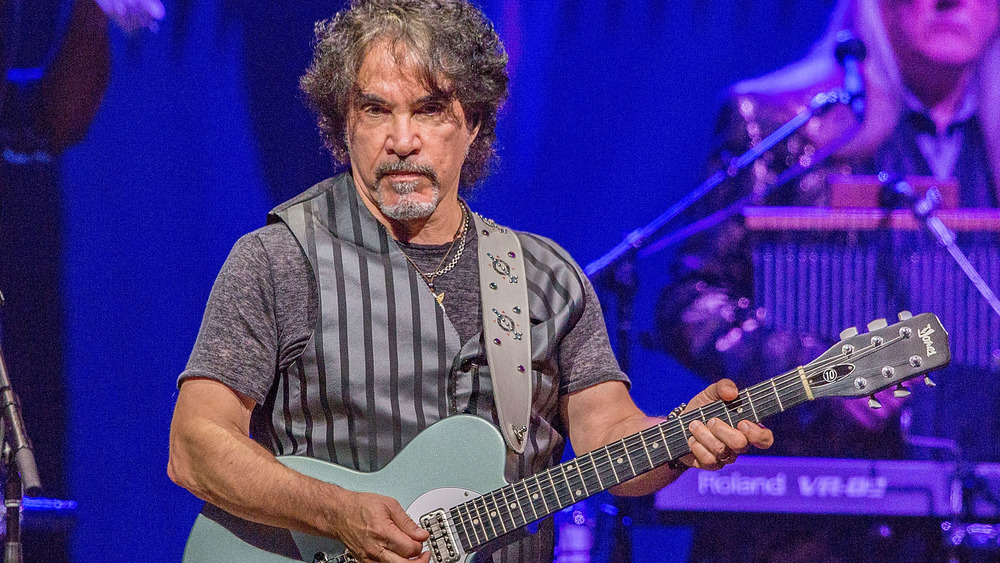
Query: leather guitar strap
point(506, 327)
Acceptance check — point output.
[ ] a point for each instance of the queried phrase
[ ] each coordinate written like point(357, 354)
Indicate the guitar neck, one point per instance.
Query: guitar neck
point(512, 507)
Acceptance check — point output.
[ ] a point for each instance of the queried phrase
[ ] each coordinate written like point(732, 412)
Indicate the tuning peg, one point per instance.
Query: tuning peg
point(905, 315)
point(877, 324)
point(929, 382)
point(900, 391)
point(873, 402)
point(848, 332)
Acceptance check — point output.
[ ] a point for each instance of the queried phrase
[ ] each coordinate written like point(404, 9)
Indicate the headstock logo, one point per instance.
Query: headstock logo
point(925, 336)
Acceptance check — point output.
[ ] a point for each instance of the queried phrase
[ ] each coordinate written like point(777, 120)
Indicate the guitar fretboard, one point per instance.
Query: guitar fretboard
point(512, 507)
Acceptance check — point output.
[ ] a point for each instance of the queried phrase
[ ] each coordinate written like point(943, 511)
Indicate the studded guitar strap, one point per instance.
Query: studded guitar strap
point(506, 327)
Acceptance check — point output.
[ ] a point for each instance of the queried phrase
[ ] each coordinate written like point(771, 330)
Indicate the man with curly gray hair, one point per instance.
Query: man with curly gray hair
point(355, 321)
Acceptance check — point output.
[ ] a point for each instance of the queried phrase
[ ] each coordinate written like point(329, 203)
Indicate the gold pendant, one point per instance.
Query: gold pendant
point(439, 297)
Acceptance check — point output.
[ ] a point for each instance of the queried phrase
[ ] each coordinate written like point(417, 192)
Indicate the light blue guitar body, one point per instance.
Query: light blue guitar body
point(452, 461)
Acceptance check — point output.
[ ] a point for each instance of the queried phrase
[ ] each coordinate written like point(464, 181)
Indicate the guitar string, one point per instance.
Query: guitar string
point(767, 397)
point(629, 444)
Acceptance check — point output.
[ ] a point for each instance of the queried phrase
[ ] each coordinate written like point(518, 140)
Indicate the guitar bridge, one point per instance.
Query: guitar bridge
point(441, 541)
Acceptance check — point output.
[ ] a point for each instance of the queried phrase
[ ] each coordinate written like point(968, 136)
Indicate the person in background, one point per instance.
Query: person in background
point(932, 78)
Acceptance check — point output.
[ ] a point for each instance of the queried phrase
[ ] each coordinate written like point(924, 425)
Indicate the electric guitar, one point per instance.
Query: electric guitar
point(450, 477)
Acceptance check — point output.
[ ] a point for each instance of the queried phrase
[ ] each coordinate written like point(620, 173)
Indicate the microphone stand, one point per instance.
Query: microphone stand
point(18, 461)
point(616, 270)
point(924, 210)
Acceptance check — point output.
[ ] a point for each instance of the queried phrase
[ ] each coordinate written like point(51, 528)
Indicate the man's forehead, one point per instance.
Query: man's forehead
point(392, 65)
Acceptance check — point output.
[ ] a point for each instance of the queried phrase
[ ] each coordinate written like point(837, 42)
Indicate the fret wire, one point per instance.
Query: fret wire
point(593, 463)
point(663, 436)
point(472, 520)
point(645, 448)
point(495, 513)
point(472, 523)
point(484, 516)
point(490, 516)
point(483, 511)
point(527, 496)
point(583, 479)
point(555, 489)
point(619, 460)
point(520, 504)
point(541, 494)
point(628, 457)
point(611, 463)
point(519, 499)
point(500, 505)
point(507, 503)
point(640, 445)
point(573, 491)
point(749, 400)
point(462, 533)
point(464, 530)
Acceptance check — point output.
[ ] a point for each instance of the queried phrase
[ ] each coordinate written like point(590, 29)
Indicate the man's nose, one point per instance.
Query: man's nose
point(404, 138)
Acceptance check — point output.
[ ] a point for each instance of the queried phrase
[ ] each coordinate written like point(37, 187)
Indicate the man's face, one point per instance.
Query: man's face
point(406, 145)
point(952, 33)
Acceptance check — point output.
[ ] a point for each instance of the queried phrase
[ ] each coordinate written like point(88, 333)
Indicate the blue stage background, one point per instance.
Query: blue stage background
point(202, 131)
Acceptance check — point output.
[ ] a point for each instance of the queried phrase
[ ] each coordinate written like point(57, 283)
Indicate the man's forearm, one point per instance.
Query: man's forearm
point(223, 466)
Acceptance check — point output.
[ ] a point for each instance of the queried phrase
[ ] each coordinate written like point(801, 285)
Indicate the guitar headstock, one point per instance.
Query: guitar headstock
point(885, 356)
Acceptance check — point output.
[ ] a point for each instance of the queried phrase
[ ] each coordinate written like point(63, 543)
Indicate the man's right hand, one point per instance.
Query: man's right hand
point(375, 528)
point(212, 455)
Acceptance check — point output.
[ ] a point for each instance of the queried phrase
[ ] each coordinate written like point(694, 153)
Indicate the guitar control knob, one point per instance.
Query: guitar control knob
point(873, 402)
point(929, 382)
point(900, 391)
point(848, 332)
point(877, 324)
point(905, 315)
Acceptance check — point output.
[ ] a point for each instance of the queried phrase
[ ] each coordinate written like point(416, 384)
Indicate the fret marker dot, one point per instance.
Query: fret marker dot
point(493, 514)
point(579, 492)
point(476, 521)
point(619, 460)
point(570, 467)
point(740, 409)
point(656, 445)
point(513, 505)
point(534, 496)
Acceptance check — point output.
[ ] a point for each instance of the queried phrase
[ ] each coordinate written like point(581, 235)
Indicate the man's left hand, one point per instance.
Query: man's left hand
point(715, 443)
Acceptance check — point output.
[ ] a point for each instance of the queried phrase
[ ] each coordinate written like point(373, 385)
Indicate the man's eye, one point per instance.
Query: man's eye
point(432, 109)
point(373, 109)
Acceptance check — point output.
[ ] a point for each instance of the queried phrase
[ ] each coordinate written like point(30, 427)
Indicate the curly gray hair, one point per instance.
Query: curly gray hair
point(457, 50)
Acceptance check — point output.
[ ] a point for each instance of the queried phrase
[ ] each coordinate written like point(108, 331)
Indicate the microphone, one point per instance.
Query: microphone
point(896, 191)
point(850, 52)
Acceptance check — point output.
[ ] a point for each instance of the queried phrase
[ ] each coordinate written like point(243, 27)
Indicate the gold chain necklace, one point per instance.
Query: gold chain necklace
point(441, 268)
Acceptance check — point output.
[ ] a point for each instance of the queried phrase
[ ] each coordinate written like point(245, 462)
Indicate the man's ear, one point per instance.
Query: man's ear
point(474, 132)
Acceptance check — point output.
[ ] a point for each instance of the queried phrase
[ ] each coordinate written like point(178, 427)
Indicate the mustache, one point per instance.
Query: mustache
point(404, 167)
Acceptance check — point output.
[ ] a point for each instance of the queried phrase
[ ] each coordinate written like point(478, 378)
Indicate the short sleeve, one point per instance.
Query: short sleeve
point(237, 344)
